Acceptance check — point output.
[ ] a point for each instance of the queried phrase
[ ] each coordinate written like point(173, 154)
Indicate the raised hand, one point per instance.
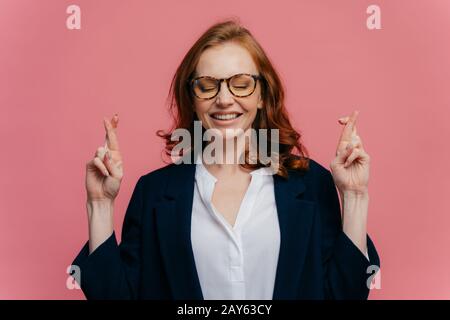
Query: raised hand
point(105, 171)
point(350, 167)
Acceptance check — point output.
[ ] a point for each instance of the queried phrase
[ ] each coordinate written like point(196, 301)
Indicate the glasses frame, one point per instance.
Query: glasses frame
point(256, 77)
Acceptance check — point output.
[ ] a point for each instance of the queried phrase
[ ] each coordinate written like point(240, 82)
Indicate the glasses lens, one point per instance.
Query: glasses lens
point(242, 85)
point(205, 88)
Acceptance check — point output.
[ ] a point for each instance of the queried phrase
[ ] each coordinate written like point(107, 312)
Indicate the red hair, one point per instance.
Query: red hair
point(273, 114)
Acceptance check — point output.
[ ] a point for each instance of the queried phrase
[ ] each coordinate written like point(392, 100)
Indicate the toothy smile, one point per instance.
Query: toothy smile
point(225, 116)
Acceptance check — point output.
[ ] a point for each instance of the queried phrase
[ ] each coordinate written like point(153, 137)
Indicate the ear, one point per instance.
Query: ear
point(260, 103)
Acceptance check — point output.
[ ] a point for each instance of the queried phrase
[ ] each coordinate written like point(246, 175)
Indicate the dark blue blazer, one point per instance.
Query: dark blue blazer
point(155, 259)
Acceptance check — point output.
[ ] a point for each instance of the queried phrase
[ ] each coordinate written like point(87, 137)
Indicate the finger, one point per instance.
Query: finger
point(115, 168)
point(342, 145)
point(115, 121)
point(360, 155)
point(356, 141)
point(101, 166)
point(354, 134)
point(346, 133)
point(343, 120)
point(111, 140)
point(352, 157)
point(100, 153)
point(111, 135)
point(344, 153)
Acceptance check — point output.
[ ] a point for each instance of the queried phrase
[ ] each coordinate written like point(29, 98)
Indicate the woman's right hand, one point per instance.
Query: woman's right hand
point(105, 171)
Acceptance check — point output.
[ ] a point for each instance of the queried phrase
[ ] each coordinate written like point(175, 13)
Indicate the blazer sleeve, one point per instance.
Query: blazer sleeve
point(346, 268)
point(112, 271)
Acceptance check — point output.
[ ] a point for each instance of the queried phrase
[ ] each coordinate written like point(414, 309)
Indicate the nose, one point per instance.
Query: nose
point(224, 96)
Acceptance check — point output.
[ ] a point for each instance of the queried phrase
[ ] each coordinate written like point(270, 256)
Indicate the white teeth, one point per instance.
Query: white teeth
point(225, 116)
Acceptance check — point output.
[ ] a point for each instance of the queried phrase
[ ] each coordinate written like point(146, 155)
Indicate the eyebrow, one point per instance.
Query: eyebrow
point(206, 75)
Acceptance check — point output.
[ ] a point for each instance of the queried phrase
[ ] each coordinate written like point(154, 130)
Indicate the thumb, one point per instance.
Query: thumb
point(344, 155)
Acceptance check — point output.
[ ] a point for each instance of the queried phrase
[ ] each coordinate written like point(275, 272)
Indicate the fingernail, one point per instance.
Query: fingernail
point(106, 173)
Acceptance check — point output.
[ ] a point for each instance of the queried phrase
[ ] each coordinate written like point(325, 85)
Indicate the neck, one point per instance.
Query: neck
point(226, 159)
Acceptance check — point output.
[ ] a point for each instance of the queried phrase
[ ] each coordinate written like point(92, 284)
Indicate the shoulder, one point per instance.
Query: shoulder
point(159, 173)
point(170, 175)
point(317, 179)
point(318, 170)
point(157, 176)
point(315, 170)
point(151, 185)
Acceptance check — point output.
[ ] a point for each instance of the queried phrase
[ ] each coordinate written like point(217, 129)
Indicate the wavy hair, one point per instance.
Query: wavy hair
point(273, 115)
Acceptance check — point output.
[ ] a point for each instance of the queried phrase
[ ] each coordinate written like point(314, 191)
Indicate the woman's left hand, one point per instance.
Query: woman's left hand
point(350, 168)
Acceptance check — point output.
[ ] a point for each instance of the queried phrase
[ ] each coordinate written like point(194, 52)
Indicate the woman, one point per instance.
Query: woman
point(230, 230)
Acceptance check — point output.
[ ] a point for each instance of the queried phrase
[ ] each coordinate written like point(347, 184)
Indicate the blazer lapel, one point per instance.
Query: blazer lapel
point(295, 219)
point(173, 221)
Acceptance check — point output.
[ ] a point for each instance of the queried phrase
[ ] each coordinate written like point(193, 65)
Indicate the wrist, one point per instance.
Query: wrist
point(104, 207)
point(355, 194)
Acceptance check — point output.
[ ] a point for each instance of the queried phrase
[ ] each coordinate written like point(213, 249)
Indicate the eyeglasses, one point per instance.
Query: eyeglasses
point(240, 85)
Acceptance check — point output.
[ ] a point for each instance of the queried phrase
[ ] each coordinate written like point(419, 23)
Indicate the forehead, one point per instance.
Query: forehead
point(225, 60)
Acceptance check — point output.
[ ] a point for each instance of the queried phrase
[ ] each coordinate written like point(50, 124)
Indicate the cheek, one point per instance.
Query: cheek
point(201, 110)
point(251, 108)
point(250, 115)
point(202, 114)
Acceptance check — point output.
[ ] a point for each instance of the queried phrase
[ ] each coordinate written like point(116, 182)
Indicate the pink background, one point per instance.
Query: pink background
point(57, 84)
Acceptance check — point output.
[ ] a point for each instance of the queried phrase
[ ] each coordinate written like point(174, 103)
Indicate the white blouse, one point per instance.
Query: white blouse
point(240, 261)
